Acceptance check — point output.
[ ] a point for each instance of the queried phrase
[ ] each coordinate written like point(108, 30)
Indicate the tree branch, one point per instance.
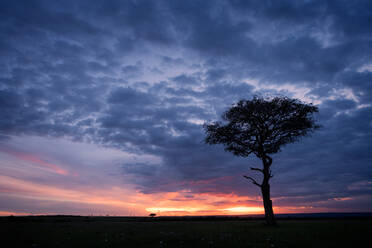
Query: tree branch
point(270, 174)
point(269, 159)
point(257, 169)
point(253, 181)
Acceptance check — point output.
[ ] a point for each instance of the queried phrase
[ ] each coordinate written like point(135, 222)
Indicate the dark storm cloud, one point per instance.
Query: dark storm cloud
point(89, 70)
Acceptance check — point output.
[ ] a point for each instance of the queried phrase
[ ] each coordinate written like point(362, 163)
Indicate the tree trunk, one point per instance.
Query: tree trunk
point(269, 213)
point(265, 190)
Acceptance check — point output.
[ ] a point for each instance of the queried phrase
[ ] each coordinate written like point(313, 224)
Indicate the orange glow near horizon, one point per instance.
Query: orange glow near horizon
point(206, 211)
point(123, 200)
point(9, 213)
point(112, 202)
point(244, 209)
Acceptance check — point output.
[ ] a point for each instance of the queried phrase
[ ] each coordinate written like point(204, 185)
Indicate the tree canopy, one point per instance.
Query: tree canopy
point(262, 126)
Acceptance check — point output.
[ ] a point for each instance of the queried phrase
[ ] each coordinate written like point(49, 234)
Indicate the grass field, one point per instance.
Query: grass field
point(80, 232)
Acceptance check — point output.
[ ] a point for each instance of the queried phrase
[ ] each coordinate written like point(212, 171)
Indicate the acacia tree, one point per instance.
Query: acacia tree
point(261, 126)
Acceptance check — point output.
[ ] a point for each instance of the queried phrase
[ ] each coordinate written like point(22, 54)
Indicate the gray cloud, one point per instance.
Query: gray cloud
point(86, 70)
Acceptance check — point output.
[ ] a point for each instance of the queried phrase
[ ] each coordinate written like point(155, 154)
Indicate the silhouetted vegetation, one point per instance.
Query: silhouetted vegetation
point(262, 127)
point(60, 231)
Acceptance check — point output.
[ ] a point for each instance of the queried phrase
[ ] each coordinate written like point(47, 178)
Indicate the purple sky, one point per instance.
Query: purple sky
point(102, 104)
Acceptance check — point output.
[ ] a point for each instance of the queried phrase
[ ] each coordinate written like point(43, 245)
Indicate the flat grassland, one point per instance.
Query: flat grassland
point(69, 231)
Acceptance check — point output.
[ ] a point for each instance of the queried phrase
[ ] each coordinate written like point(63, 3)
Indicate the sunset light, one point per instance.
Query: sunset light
point(247, 210)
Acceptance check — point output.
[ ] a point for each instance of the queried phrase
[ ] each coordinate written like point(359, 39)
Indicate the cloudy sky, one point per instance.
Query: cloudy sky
point(102, 104)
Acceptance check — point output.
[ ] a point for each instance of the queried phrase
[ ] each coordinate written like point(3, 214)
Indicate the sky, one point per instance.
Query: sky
point(102, 105)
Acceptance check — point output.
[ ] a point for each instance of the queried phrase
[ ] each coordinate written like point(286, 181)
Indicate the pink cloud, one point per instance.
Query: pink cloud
point(35, 160)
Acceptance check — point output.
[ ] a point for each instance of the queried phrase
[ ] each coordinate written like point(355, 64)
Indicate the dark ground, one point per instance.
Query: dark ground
point(73, 231)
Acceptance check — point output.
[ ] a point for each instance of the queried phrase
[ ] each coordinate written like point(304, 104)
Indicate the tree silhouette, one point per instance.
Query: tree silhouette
point(261, 126)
